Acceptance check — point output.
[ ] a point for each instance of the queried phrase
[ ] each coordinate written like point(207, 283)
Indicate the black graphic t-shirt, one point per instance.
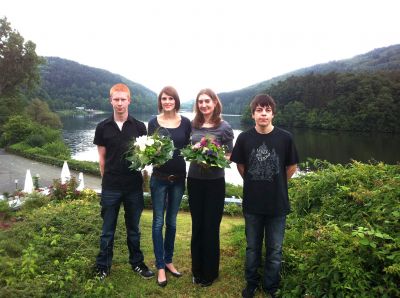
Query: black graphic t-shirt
point(265, 157)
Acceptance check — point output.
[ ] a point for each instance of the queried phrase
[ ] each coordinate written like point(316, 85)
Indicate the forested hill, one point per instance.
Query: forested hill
point(382, 59)
point(67, 84)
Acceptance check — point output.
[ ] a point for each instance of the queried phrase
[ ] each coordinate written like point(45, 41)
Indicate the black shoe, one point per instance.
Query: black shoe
point(175, 274)
point(196, 280)
point(102, 272)
point(204, 283)
point(143, 271)
point(249, 291)
point(201, 282)
point(162, 284)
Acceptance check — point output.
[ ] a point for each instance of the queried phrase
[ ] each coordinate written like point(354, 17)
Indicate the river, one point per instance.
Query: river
point(333, 146)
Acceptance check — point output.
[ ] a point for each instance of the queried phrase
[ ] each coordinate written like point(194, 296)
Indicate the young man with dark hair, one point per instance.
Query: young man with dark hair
point(266, 158)
point(119, 183)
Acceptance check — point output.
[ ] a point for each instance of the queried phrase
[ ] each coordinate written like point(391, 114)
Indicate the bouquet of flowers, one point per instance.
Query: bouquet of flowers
point(207, 152)
point(153, 150)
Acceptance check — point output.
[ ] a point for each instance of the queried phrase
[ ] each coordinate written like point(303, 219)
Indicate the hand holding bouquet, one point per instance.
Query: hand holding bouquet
point(153, 150)
point(207, 152)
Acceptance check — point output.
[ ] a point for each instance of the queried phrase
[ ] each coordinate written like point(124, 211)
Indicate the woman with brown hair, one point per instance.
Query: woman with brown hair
point(167, 182)
point(206, 189)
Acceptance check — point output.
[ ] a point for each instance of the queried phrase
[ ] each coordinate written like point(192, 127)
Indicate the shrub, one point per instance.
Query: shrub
point(35, 151)
point(17, 129)
point(5, 211)
point(89, 167)
point(343, 237)
point(35, 200)
point(185, 203)
point(35, 140)
point(67, 191)
point(89, 195)
point(232, 190)
point(233, 209)
point(50, 134)
point(57, 149)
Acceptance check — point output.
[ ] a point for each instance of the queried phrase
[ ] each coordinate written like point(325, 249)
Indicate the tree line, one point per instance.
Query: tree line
point(338, 101)
point(381, 59)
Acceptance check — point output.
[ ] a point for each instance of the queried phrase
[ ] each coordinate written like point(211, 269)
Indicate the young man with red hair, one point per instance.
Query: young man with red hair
point(119, 183)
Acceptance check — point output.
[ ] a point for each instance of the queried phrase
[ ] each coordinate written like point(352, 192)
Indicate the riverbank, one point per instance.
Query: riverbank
point(13, 168)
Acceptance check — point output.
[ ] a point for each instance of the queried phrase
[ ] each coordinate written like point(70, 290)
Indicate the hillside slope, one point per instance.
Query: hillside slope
point(381, 59)
point(67, 84)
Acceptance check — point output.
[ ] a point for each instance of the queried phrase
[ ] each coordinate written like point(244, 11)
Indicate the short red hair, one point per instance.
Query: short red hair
point(120, 88)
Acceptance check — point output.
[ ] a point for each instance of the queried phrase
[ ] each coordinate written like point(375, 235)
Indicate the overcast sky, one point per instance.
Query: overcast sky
point(222, 44)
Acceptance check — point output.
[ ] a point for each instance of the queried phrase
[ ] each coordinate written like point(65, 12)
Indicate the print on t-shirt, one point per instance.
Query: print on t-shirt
point(263, 163)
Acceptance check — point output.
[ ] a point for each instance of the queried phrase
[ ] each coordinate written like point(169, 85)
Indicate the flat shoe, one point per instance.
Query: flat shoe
point(176, 274)
point(162, 284)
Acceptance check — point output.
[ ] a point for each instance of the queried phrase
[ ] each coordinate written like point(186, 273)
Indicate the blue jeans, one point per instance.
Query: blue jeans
point(133, 205)
point(274, 228)
point(165, 195)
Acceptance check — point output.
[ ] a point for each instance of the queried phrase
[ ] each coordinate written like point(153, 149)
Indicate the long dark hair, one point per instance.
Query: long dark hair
point(216, 118)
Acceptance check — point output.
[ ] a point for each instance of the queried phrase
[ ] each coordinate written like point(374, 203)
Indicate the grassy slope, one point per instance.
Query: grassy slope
point(72, 230)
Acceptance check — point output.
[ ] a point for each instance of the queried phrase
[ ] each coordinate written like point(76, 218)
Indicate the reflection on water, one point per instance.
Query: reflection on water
point(342, 146)
point(336, 147)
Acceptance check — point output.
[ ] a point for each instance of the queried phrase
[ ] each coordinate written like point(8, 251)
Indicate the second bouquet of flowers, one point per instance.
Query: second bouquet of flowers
point(207, 153)
point(153, 150)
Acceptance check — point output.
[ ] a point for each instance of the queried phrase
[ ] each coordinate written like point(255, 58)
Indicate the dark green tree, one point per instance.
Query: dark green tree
point(40, 112)
point(18, 60)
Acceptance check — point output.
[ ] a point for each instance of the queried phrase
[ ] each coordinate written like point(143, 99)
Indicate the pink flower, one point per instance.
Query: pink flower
point(216, 143)
point(203, 141)
point(196, 146)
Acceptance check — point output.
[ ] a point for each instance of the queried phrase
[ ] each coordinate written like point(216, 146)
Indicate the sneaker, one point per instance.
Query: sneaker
point(102, 272)
point(143, 271)
point(249, 291)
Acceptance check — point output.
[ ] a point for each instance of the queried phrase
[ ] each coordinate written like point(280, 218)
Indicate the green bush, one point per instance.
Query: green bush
point(57, 149)
point(89, 167)
point(185, 203)
point(66, 191)
point(35, 140)
point(17, 129)
point(233, 209)
point(35, 200)
point(49, 134)
point(232, 190)
point(343, 237)
point(89, 195)
point(5, 211)
point(35, 151)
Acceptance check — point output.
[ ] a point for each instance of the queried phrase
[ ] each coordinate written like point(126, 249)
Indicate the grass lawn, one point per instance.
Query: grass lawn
point(52, 250)
point(229, 283)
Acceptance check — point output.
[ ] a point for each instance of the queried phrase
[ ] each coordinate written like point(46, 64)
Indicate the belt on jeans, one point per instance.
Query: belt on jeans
point(170, 178)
